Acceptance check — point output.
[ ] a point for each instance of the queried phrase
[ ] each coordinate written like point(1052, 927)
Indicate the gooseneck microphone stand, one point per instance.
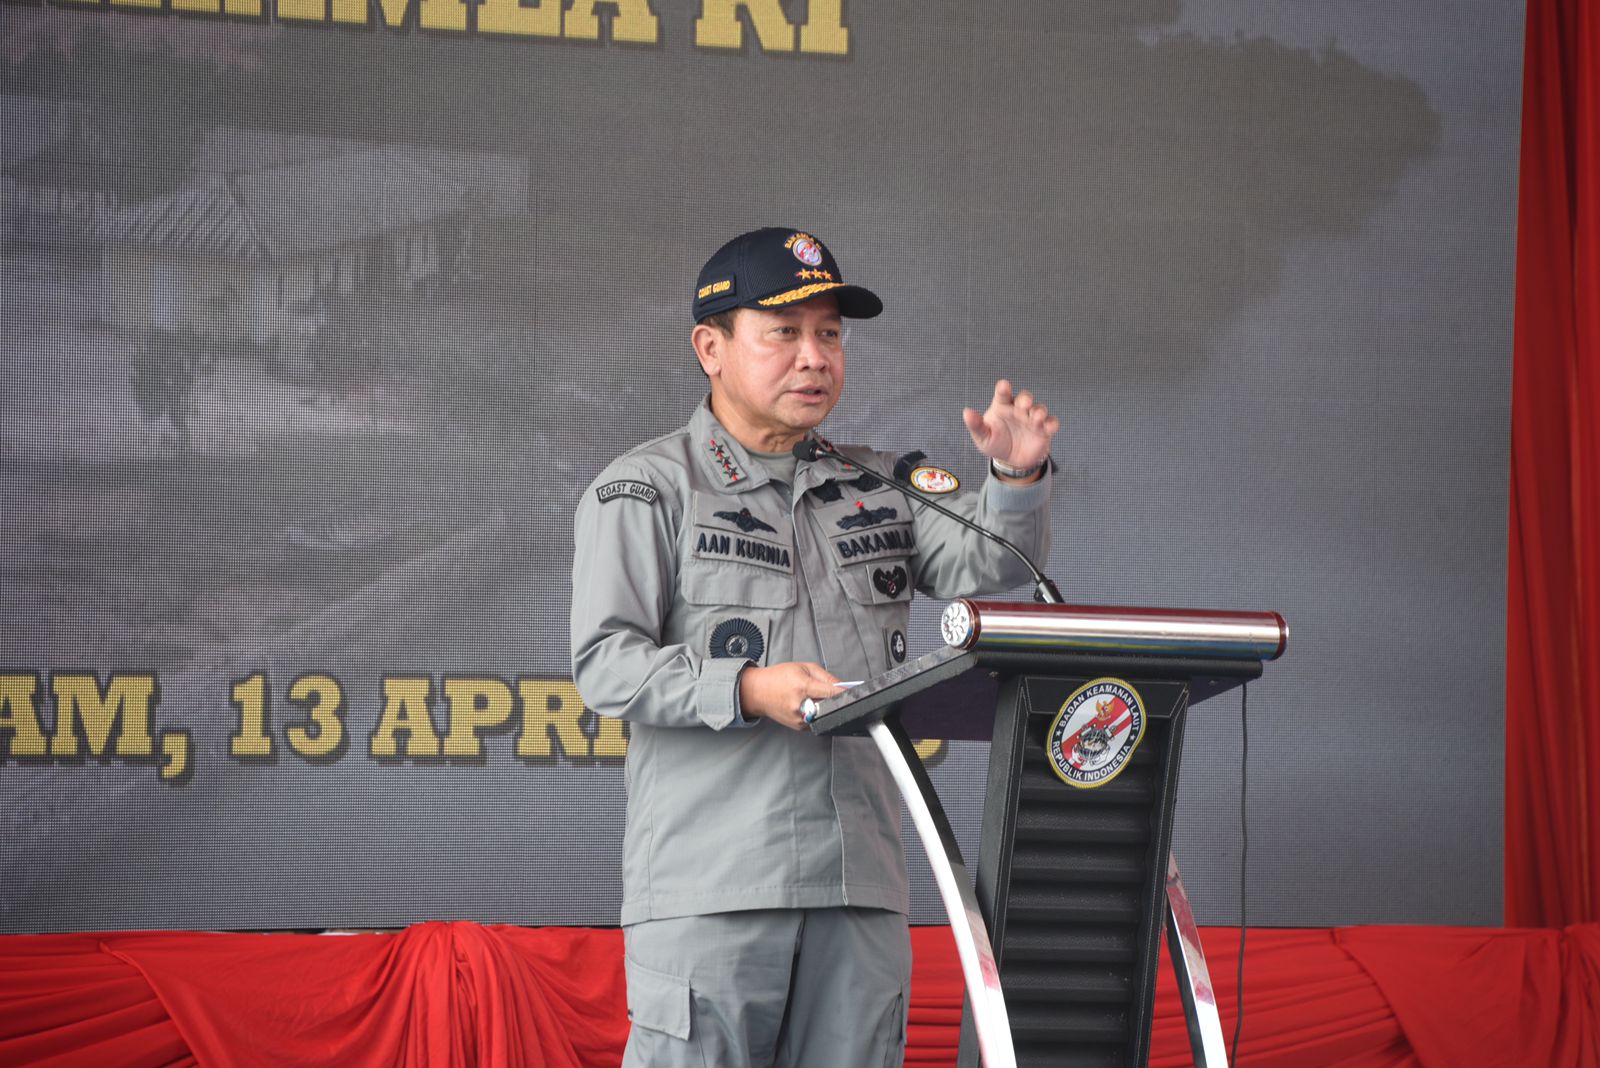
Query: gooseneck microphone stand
point(1044, 590)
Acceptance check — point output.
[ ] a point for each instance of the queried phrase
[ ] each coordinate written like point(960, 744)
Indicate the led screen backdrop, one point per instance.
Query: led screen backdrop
point(319, 314)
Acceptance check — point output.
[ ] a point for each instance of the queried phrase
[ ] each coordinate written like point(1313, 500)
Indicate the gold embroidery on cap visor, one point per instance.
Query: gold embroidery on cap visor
point(803, 293)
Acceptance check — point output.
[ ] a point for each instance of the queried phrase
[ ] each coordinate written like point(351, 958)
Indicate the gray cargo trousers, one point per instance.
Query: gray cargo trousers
point(785, 988)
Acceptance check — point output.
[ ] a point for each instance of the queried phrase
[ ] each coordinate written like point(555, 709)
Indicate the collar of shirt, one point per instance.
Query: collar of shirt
point(730, 464)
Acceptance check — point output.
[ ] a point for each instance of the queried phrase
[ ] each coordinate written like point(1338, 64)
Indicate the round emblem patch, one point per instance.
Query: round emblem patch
point(897, 647)
point(934, 480)
point(737, 639)
point(1095, 733)
point(807, 252)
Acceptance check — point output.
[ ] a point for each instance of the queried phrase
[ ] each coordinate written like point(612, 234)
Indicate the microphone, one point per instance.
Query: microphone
point(1044, 591)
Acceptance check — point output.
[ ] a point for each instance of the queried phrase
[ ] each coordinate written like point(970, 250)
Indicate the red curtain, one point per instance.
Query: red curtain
point(457, 995)
point(1552, 820)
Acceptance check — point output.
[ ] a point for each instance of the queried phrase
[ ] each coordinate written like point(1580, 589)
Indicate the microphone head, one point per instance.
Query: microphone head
point(807, 449)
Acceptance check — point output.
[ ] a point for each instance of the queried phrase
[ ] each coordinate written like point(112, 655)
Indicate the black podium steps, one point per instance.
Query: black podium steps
point(1075, 901)
point(1088, 1056)
point(1054, 943)
point(1108, 861)
point(1092, 982)
point(1056, 1030)
point(1090, 823)
point(1060, 902)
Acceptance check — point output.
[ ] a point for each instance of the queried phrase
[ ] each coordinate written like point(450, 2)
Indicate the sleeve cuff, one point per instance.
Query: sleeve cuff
point(717, 693)
point(1024, 497)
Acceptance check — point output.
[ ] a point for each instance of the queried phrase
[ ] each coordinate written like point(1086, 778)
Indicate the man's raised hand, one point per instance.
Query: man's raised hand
point(1016, 430)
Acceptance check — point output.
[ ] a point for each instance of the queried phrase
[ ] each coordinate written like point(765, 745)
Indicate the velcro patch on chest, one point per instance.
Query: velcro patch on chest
point(724, 530)
point(890, 541)
point(889, 581)
point(745, 521)
point(873, 526)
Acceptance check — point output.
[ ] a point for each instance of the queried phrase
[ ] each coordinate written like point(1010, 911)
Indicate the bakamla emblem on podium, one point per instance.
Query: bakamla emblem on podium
point(1094, 735)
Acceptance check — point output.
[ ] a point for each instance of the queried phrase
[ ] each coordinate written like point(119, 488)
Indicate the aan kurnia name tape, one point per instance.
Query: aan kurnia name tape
point(84, 719)
point(719, 25)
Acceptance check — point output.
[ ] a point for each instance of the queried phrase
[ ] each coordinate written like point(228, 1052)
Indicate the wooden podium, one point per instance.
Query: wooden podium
point(1084, 708)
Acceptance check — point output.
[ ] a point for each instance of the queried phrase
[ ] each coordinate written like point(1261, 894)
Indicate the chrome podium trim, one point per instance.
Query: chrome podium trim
point(1109, 629)
point(978, 969)
point(1194, 978)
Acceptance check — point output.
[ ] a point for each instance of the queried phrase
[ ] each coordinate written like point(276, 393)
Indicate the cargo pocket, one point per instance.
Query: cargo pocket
point(883, 582)
point(881, 597)
point(729, 610)
point(657, 1001)
point(899, 1015)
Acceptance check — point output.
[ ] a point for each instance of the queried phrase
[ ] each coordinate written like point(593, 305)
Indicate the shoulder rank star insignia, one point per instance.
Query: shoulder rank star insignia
point(866, 517)
point(745, 521)
point(730, 470)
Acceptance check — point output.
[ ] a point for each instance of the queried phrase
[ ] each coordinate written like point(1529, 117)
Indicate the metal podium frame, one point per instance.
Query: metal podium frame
point(948, 694)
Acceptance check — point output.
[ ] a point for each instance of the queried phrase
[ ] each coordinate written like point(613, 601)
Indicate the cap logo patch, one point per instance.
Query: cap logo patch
point(1094, 735)
point(805, 249)
point(722, 286)
point(934, 480)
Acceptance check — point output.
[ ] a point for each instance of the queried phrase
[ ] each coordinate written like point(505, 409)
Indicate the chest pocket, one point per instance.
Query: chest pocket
point(737, 555)
point(870, 542)
point(736, 577)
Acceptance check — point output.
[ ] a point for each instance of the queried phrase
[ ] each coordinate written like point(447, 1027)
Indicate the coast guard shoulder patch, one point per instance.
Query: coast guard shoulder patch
point(627, 489)
point(1096, 732)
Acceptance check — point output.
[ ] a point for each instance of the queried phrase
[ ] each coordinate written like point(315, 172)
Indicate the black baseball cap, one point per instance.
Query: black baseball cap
point(774, 267)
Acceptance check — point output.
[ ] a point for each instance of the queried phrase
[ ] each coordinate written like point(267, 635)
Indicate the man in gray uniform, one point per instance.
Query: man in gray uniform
point(718, 582)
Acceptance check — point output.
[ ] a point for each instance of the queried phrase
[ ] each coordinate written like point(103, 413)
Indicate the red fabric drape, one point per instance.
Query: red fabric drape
point(1552, 820)
point(458, 995)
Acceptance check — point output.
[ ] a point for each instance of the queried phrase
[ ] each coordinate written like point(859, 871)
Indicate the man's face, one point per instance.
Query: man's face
point(778, 375)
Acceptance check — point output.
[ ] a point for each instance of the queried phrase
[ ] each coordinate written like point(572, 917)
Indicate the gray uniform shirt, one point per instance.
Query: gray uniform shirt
point(690, 563)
